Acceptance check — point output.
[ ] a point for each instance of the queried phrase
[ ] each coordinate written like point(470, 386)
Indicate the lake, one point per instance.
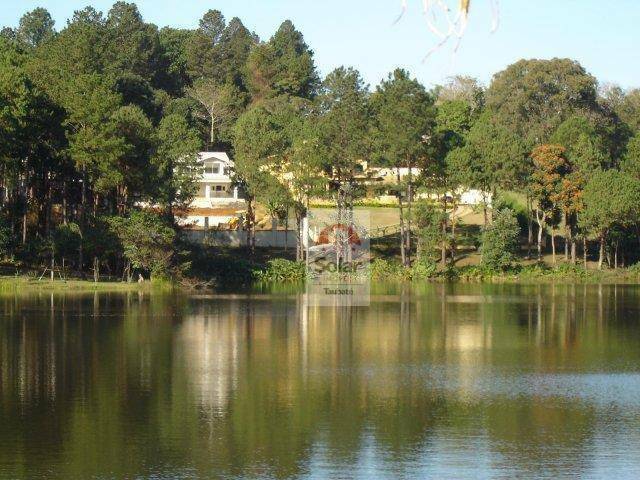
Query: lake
point(442, 381)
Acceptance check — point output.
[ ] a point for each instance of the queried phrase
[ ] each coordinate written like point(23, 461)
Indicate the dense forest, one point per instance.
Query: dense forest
point(108, 114)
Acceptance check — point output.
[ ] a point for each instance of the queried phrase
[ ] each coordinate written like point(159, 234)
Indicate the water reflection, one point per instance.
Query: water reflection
point(442, 380)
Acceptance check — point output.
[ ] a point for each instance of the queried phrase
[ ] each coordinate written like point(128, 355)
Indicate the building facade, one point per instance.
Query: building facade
point(218, 202)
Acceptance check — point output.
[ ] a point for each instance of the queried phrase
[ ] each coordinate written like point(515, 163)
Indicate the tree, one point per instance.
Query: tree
point(282, 66)
point(535, 96)
point(492, 158)
point(219, 55)
point(94, 144)
point(212, 25)
point(304, 173)
point(611, 199)
point(462, 89)
point(136, 170)
point(131, 45)
point(550, 167)
point(623, 103)
point(31, 137)
point(66, 241)
point(405, 117)
point(343, 125)
point(500, 241)
point(585, 145)
point(176, 160)
point(429, 221)
point(35, 27)
point(152, 252)
point(259, 140)
point(201, 45)
point(219, 104)
point(173, 76)
point(631, 161)
point(586, 152)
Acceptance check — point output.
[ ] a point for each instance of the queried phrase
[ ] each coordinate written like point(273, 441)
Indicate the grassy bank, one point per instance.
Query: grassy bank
point(230, 269)
point(28, 283)
point(390, 270)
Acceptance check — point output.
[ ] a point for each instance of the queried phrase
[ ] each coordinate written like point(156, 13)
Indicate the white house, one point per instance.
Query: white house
point(216, 186)
point(218, 201)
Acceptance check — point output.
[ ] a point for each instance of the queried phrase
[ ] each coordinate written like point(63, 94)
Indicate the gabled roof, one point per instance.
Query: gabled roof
point(221, 156)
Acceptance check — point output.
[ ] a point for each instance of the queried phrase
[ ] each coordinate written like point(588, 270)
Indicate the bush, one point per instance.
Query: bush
point(500, 241)
point(66, 240)
point(282, 270)
point(147, 241)
point(381, 269)
point(429, 222)
point(423, 269)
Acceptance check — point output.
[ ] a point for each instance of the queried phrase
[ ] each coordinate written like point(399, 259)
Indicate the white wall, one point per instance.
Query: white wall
point(238, 238)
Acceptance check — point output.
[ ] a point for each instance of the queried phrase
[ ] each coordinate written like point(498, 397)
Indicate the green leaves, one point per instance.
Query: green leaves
point(151, 251)
point(405, 116)
point(500, 241)
point(535, 96)
point(35, 27)
point(176, 159)
point(282, 66)
point(631, 160)
point(493, 157)
point(344, 121)
point(610, 198)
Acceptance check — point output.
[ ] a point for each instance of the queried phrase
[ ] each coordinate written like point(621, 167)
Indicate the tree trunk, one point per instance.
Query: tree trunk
point(64, 202)
point(573, 251)
point(286, 231)
point(453, 245)
point(247, 221)
point(443, 250)
point(403, 253)
point(567, 237)
point(540, 220)
point(409, 202)
point(83, 209)
point(485, 213)
point(584, 251)
point(212, 132)
point(96, 269)
point(601, 255)
point(26, 201)
point(529, 236)
point(553, 247)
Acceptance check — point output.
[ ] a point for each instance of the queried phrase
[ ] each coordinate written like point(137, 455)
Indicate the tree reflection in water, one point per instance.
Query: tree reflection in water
point(444, 380)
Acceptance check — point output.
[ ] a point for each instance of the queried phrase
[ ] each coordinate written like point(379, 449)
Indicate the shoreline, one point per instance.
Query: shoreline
point(464, 275)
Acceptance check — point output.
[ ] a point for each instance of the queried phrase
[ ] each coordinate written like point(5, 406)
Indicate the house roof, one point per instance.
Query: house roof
point(221, 156)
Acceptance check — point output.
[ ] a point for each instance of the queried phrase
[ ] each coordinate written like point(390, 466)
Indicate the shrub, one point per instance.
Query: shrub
point(382, 269)
point(423, 269)
point(282, 270)
point(429, 222)
point(500, 241)
point(66, 240)
point(147, 241)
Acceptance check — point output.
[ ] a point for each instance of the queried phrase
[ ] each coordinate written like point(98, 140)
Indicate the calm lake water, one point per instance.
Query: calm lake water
point(443, 381)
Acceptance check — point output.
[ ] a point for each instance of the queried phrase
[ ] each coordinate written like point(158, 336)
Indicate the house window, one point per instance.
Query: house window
point(212, 168)
point(219, 188)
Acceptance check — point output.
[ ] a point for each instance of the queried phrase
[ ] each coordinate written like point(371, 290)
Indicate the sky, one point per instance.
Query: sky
point(601, 34)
